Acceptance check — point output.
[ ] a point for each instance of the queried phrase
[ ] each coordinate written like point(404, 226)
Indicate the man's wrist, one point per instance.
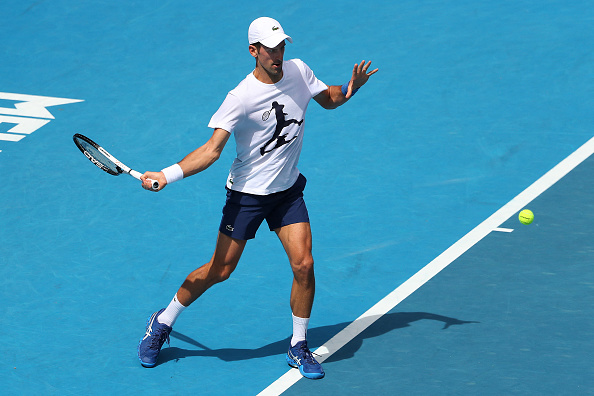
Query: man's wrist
point(173, 173)
point(345, 89)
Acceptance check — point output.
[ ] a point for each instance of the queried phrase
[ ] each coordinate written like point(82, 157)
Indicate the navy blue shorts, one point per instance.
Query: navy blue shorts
point(243, 213)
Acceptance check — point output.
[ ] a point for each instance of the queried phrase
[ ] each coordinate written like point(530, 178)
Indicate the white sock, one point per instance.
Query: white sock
point(299, 329)
point(173, 310)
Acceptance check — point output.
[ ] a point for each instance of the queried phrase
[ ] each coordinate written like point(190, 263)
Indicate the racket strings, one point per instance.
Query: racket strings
point(98, 158)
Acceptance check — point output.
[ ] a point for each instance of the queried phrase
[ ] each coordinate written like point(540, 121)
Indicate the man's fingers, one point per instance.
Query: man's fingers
point(366, 66)
point(362, 67)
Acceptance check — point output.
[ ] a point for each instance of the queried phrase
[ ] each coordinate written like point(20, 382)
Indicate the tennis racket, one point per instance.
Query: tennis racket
point(266, 114)
point(105, 161)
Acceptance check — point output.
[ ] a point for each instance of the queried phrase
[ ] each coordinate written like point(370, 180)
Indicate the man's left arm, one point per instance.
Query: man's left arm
point(337, 95)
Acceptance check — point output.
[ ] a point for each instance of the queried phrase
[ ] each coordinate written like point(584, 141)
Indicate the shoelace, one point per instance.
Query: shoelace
point(159, 339)
point(307, 354)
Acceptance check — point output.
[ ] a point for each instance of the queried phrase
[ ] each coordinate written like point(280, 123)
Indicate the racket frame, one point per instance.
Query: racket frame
point(120, 166)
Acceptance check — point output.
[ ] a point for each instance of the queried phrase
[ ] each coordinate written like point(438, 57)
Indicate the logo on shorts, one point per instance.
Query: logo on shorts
point(229, 227)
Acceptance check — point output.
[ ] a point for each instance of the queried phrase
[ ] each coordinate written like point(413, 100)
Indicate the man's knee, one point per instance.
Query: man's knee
point(220, 272)
point(303, 267)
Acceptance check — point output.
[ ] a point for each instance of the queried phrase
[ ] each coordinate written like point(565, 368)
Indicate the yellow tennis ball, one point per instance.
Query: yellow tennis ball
point(526, 216)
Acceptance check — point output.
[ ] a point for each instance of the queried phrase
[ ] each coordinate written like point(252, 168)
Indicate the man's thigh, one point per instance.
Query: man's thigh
point(297, 241)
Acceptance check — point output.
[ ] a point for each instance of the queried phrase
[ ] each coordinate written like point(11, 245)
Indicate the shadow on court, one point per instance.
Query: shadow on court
point(316, 337)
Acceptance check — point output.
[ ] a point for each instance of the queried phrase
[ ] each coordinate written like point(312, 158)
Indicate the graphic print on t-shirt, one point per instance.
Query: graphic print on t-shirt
point(281, 123)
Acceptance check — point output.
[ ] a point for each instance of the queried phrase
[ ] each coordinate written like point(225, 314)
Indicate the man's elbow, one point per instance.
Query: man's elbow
point(329, 104)
point(214, 156)
point(211, 153)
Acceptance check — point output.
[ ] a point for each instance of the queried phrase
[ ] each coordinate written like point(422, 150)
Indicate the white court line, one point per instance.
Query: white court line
point(439, 263)
point(503, 230)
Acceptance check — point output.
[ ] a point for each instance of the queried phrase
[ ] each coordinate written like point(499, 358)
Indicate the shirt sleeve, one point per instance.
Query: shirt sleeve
point(315, 86)
point(229, 115)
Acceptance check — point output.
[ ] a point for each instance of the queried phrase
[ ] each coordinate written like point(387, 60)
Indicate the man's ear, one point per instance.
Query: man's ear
point(253, 50)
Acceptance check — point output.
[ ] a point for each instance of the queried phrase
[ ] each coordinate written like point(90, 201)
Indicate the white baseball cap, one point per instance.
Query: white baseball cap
point(267, 31)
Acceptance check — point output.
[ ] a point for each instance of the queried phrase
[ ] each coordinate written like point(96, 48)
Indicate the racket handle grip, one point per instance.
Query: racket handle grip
point(137, 175)
point(154, 184)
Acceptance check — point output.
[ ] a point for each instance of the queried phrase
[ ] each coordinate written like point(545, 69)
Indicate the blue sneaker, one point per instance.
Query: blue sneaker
point(153, 340)
point(300, 357)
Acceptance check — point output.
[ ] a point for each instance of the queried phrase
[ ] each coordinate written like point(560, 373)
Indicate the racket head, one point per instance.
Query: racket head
point(96, 154)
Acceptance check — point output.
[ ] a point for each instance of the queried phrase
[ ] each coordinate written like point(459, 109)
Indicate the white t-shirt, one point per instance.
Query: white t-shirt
point(267, 122)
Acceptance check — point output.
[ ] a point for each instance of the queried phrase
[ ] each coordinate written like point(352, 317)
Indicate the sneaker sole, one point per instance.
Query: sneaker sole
point(147, 365)
point(294, 364)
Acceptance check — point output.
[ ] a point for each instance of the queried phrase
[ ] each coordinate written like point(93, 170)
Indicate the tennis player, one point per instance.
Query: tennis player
point(265, 113)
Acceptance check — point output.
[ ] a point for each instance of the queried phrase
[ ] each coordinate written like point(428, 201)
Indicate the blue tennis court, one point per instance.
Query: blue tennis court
point(473, 104)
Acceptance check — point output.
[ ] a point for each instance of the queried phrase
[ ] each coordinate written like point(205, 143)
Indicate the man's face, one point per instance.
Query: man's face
point(270, 59)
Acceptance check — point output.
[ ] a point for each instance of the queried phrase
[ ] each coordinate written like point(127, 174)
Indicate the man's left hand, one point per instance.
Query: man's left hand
point(360, 77)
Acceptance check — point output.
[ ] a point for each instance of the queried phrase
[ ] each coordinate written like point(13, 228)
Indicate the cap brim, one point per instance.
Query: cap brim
point(275, 40)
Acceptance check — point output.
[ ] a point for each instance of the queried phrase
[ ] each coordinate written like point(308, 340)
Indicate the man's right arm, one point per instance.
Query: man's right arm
point(195, 162)
point(204, 156)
